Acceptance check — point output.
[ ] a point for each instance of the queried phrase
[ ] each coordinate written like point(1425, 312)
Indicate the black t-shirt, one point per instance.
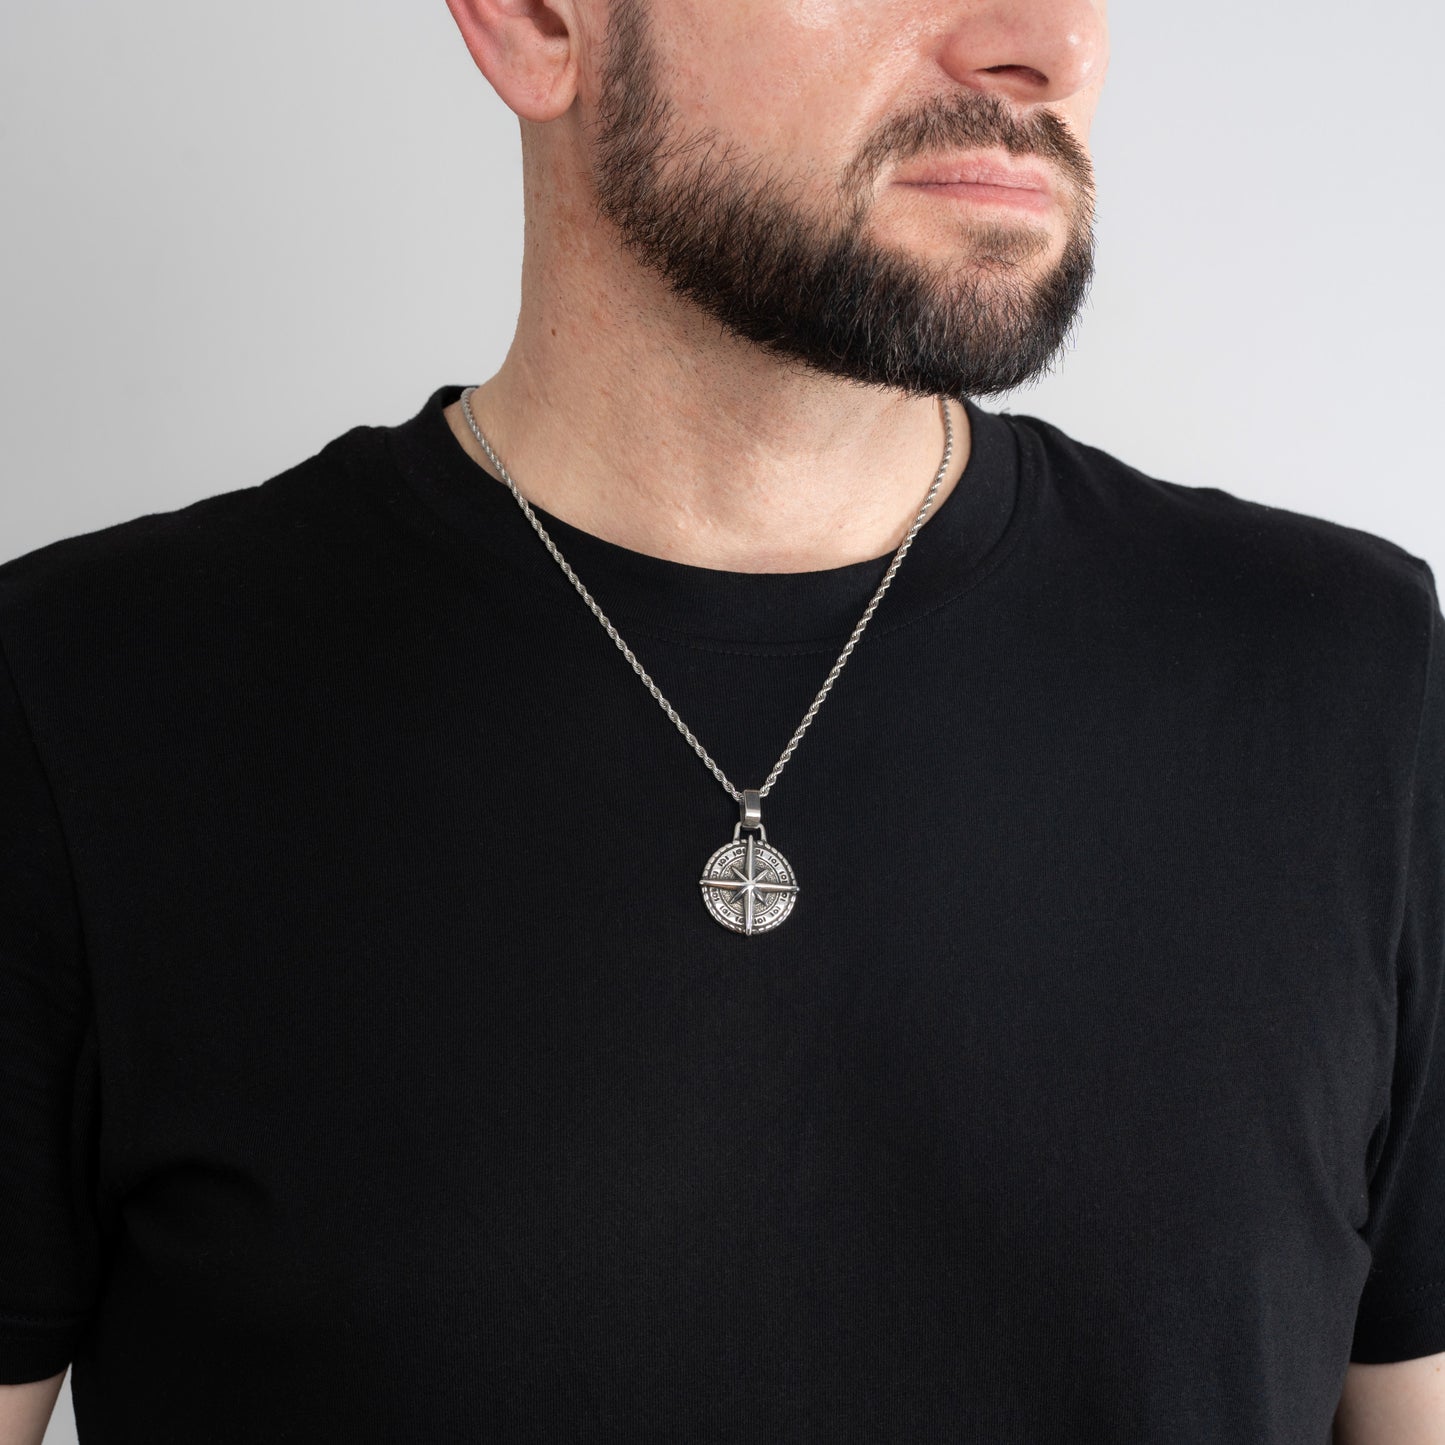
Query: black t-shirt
point(371, 1068)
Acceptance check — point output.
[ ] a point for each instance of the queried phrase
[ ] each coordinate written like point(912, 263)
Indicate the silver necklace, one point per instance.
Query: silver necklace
point(747, 884)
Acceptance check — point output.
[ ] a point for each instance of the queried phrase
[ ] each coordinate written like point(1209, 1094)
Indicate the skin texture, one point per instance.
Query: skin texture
point(25, 1410)
point(631, 409)
point(1398, 1404)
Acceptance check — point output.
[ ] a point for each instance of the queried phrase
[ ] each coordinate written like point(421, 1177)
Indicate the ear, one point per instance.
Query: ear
point(527, 49)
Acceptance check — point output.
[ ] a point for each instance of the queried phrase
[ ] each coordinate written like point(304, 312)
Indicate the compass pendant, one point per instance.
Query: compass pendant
point(747, 885)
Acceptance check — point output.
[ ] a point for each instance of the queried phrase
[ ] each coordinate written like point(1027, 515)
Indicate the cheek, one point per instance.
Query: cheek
point(824, 17)
point(799, 78)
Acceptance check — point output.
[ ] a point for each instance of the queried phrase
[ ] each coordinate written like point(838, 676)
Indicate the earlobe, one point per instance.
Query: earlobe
point(526, 49)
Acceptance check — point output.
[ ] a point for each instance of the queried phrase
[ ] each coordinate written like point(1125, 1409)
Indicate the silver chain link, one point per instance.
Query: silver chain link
point(637, 667)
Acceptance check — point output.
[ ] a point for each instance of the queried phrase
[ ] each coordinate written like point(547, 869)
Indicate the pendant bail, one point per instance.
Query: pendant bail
point(750, 809)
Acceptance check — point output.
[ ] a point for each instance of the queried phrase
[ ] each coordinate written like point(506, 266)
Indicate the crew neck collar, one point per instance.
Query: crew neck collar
point(962, 539)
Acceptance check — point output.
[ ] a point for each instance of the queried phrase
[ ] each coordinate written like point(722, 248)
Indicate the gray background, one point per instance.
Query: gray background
point(233, 232)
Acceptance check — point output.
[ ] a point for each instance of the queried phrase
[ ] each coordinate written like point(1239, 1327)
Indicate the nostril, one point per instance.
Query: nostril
point(1026, 72)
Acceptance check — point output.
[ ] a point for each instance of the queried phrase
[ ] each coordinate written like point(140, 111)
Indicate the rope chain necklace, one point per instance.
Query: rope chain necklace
point(747, 885)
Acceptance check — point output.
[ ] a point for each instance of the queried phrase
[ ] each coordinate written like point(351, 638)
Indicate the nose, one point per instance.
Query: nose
point(1028, 51)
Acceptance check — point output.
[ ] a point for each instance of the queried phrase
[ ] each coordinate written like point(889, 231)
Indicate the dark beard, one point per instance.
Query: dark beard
point(746, 251)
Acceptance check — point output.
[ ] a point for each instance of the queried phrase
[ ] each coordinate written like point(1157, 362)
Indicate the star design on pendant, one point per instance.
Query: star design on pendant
point(749, 883)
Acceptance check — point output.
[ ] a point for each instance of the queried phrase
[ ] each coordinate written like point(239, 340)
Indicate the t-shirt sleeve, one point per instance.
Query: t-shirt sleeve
point(1401, 1313)
point(48, 1079)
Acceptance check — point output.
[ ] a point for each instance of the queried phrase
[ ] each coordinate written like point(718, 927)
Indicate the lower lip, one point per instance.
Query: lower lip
point(978, 194)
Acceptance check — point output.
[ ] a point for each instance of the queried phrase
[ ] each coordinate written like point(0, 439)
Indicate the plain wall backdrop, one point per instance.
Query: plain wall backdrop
point(234, 232)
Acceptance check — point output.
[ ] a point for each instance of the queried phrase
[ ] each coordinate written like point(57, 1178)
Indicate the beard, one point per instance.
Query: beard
point(740, 240)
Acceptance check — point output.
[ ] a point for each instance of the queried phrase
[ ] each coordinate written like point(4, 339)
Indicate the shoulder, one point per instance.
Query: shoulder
point(203, 557)
point(1267, 572)
point(146, 617)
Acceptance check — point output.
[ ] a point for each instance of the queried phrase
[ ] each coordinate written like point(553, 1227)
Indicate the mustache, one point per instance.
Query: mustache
point(972, 120)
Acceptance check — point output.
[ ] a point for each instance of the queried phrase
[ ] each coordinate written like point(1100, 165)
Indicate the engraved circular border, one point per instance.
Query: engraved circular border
point(764, 853)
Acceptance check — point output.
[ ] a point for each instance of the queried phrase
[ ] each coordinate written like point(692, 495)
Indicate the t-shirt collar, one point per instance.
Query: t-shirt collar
point(662, 597)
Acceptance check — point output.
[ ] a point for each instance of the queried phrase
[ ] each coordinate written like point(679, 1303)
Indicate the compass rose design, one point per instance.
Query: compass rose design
point(748, 885)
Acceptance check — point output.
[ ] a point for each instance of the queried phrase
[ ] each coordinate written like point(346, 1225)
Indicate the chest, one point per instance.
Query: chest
point(428, 1020)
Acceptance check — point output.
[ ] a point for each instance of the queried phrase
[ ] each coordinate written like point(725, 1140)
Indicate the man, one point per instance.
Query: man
point(989, 991)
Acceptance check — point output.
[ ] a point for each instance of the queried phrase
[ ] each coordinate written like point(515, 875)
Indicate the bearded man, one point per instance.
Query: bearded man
point(709, 888)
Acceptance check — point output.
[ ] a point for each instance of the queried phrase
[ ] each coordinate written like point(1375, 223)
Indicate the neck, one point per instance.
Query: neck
point(628, 415)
